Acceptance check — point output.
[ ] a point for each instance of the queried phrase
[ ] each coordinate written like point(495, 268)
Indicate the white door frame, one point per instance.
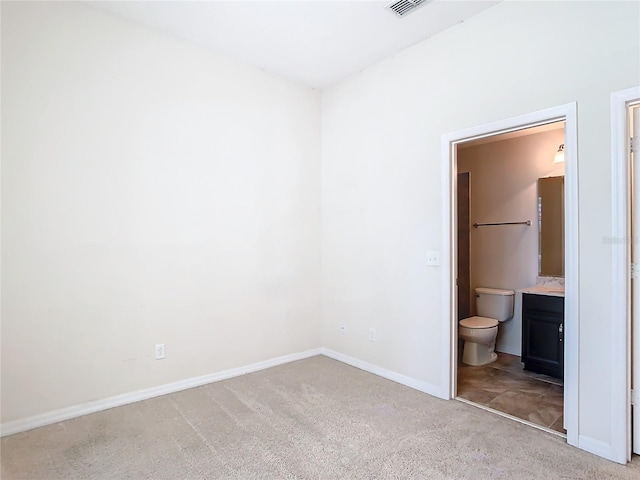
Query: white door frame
point(621, 280)
point(568, 113)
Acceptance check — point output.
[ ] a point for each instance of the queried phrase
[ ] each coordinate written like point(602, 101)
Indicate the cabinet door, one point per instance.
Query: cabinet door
point(544, 345)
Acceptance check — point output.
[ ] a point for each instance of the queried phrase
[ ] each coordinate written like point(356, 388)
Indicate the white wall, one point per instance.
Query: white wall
point(156, 192)
point(503, 177)
point(381, 190)
point(152, 192)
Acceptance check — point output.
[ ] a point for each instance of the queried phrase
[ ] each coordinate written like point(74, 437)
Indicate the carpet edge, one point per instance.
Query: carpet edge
point(67, 413)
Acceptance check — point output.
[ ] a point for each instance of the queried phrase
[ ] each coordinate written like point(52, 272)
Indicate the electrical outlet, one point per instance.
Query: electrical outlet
point(343, 329)
point(372, 334)
point(160, 352)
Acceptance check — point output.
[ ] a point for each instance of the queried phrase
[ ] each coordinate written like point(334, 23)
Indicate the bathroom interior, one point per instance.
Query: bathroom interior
point(510, 221)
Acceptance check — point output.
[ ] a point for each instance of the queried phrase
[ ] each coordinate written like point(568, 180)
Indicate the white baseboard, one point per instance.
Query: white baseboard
point(425, 387)
point(591, 445)
point(67, 413)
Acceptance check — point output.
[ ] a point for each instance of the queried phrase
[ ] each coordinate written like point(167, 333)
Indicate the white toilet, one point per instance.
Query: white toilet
point(479, 333)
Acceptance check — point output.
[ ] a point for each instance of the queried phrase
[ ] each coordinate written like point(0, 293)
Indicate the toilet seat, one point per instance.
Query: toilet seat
point(478, 322)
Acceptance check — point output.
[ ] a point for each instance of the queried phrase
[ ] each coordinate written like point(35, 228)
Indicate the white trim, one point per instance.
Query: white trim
point(572, 277)
point(56, 416)
point(620, 281)
point(450, 266)
point(388, 374)
point(568, 113)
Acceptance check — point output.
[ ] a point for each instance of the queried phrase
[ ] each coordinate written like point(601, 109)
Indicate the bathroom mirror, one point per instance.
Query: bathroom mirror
point(551, 227)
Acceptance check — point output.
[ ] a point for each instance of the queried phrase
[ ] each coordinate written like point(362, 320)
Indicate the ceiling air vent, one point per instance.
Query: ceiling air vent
point(402, 8)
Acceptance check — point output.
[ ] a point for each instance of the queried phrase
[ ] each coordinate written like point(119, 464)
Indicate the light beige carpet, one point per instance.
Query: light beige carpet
point(315, 419)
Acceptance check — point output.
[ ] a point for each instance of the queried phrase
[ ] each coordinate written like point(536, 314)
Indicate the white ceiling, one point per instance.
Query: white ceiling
point(316, 43)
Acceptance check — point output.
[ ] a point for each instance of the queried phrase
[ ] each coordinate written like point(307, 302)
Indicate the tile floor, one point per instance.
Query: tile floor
point(504, 386)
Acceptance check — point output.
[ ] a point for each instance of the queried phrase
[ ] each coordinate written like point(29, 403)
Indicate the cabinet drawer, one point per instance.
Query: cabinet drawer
point(543, 303)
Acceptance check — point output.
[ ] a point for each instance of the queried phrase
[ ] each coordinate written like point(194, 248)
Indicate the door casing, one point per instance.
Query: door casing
point(621, 275)
point(449, 323)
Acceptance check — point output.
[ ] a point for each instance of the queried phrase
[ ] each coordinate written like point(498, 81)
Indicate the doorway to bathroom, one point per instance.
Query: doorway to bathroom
point(495, 173)
point(510, 246)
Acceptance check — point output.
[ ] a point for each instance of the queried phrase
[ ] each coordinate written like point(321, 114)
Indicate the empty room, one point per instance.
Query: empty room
point(319, 239)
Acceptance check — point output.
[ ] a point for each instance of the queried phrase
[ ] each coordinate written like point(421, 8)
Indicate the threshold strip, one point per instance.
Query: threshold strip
point(506, 415)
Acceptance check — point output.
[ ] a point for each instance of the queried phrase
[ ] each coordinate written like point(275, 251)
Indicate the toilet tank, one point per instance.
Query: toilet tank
point(494, 303)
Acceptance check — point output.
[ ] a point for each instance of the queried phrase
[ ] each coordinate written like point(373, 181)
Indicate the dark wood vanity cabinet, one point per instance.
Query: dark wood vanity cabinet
point(543, 334)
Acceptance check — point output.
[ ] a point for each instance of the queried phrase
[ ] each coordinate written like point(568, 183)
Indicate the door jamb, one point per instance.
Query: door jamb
point(621, 274)
point(568, 113)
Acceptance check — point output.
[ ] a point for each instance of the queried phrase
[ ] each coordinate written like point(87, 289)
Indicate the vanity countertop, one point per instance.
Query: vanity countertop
point(551, 290)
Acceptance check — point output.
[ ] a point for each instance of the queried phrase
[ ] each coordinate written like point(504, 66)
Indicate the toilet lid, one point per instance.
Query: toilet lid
point(478, 322)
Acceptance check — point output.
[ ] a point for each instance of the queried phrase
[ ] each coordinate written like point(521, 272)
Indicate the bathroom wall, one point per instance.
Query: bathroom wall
point(152, 192)
point(504, 177)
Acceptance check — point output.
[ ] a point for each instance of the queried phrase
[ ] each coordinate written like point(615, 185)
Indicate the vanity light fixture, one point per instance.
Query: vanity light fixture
point(559, 156)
